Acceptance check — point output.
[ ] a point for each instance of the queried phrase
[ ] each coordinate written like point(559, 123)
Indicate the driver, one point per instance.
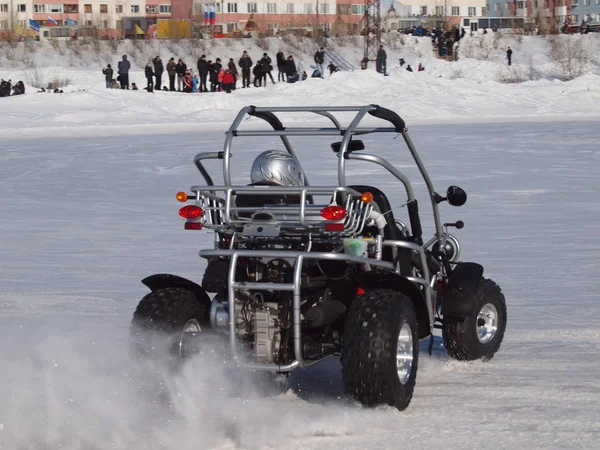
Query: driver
point(277, 167)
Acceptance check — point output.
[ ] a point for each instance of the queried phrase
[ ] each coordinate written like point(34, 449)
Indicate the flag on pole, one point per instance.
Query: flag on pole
point(34, 25)
point(70, 22)
point(212, 15)
point(138, 30)
point(52, 22)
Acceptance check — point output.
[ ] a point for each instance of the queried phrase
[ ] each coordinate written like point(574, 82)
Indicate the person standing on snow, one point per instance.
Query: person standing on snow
point(245, 64)
point(108, 76)
point(233, 70)
point(203, 72)
point(382, 60)
point(124, 67)
point(509, 56)
point(319, 60)
point(172, 71)
point(267, 68)
point(281, 66)
point(180, 68)
point(158, 71)
point(149, 77)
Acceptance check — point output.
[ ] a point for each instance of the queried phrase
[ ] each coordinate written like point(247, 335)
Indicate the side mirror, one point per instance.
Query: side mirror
point(456, 196)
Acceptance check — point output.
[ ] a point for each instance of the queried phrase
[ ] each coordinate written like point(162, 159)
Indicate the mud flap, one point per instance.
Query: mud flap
point(461, 291)
point(165, 280)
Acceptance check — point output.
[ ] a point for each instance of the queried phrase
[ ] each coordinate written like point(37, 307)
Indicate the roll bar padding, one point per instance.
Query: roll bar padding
point(269, 117)
point(390, 116)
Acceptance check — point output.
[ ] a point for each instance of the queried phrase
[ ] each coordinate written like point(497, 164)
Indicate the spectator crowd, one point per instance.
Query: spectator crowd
point(217, 75)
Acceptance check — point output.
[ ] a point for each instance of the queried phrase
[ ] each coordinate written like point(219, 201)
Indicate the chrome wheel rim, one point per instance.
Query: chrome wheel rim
point(487, 323)
point(404, 353)
point(190, 329)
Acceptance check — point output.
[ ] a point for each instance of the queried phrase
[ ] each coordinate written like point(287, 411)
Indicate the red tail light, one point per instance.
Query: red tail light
point(192, 226)
point(191, 212)
point(334, 227)
point(334, 212)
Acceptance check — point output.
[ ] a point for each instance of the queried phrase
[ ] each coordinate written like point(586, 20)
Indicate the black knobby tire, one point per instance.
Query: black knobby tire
point(160, 318)
point(460, 333)
point(369, 369)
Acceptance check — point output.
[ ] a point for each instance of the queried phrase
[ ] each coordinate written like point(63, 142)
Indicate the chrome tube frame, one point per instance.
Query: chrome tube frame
point(294, 287)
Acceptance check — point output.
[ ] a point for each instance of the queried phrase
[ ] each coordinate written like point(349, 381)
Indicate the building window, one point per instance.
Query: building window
point(71, 9)
point(586, 2)
point(535, 4)
point(232, 7)
point(119, 24)
point(135, 9)
point(87, 9)
point(151, 9)
point(308, 8)
point(104, 9)
point(217, 7)
point(439, 10)
point(88, 23)
point(423, 10)
point(358, 9)
point(324, 8)
point(520, 5)
point(22, 23)
point(272, 8)
point(289, 8)
point(472, 11)
point(164, 9)
point(4, 8)
point(252, 8)
point(21, 8)
point(558, 2)
point(197, 9)
point(455, 11)
point(36, 8)
point(119, 9)
point(344, 9)
point(103, 24)
point(4, 24)
point(272, 25)
point(55, 8)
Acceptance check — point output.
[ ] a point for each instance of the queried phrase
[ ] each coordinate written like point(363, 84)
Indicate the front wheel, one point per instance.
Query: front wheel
point(479, 335)
point(381, 349)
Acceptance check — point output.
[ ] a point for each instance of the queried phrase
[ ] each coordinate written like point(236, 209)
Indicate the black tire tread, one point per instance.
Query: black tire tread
point(458, 332)
point(369, 351)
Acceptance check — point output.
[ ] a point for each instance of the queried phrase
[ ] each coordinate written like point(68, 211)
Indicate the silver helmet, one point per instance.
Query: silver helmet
point(277, 167)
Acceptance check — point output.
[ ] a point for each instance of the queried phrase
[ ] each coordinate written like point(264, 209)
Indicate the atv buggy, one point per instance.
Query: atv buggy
point(299, 274)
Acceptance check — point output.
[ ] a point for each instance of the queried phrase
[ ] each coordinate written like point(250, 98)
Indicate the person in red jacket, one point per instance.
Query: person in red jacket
point(187, 82)
point(228, 81)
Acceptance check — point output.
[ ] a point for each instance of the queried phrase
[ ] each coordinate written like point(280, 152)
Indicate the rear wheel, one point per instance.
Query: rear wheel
point(381, 349)
point(167, 323)
point(479, 335)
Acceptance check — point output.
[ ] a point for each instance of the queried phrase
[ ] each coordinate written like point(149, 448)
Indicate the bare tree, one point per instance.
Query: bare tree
point(569, 55)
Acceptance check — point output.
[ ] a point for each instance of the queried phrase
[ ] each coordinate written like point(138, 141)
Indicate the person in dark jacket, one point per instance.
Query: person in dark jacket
point(180, 69)
point(124, 67)
point(233, 70)
point(319, 60)
point(108, 76)
point(509, 56)
point(149, 78)
point(258, 73)
point(408, 68)
point(172, 72)
point(267, 68)
point(203, 73)
point(291, 71)
point(158, 71)
point(382, 60)
point(245, 64)
point(280, 66)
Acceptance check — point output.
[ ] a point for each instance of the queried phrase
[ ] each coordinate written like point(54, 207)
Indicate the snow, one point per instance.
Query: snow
point(88, 180)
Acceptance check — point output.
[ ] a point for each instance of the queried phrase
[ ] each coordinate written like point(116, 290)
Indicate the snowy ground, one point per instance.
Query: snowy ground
point(86, 215)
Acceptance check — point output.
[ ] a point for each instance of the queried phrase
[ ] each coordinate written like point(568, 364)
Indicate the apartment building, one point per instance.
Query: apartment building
point(119, 14)
point(574, 11)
